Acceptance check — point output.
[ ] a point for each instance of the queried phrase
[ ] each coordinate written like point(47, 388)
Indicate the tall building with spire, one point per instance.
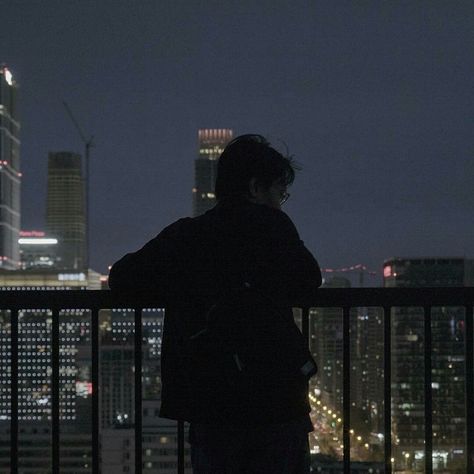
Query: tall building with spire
point(10, 176)
point(65, 214)
point(212, 142)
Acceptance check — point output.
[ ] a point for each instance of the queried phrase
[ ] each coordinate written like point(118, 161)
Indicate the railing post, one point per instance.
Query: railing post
point(95, 391)
point(469, 355)
point(138, 391)
point(387, 398)
point(428, 393)
point(14, 392)
point(346, 388)
point(180, 447)
point(55, 392)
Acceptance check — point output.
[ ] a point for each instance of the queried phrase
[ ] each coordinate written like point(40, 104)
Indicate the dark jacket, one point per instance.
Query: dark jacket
point(191, 262)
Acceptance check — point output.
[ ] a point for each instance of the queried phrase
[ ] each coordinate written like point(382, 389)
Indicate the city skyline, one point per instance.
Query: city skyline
point(374, 102)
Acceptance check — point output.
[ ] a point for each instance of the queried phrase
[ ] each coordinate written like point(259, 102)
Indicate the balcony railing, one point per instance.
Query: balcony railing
point(387, 298)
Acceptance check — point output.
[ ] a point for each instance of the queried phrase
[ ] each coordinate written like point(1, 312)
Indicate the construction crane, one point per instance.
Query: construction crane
point(360, 267)
point(88, 144)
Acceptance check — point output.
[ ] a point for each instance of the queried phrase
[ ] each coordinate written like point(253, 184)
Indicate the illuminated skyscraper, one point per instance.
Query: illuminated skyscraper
point(212, 142)
point(448, 364)
point(366, 355)
point(10, 176)
point(65, 215)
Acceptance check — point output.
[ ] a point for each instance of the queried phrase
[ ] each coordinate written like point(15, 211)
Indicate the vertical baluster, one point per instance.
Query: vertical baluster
point(95, 391)
point(138, 391)
point(305, 329)
point(14, 393)
point(469, 351)
point(428, 393)
point(387, 398)
point(180, 447)
point(55, 391)
point(346, 388)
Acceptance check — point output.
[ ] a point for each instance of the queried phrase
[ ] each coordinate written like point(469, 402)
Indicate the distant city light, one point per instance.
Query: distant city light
point(387, 271)
point(8, 76)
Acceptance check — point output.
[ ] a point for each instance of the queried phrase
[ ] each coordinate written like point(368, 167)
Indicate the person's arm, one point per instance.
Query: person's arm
point(153, 267)
point(289, 266)
point(302, 267)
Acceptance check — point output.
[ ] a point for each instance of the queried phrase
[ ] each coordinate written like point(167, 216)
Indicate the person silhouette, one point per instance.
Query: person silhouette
point(246, 242)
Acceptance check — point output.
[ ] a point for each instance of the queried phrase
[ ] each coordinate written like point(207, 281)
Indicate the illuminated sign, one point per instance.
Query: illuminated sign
point(71, 276)
point(32, 233)
point(387, 271)
point(37, 241)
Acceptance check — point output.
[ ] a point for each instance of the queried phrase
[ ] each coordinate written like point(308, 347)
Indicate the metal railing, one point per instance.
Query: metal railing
point(385, 298)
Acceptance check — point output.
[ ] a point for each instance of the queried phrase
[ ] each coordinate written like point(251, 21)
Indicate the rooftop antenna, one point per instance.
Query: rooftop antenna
point(88, 144)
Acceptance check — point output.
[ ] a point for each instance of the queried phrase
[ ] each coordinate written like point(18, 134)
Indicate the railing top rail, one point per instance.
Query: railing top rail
point(323, 297)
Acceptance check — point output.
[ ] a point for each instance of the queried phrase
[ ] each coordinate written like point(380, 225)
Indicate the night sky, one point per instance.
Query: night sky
point(374, 99)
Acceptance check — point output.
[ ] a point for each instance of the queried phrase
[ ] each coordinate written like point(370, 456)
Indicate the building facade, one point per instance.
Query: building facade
point(10, 175)
point(37, 250)
point(212, 142)
point(65, 213)
point(448, 361)
point(366, 381)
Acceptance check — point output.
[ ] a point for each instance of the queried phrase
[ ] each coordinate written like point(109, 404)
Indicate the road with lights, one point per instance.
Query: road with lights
point(328, 434)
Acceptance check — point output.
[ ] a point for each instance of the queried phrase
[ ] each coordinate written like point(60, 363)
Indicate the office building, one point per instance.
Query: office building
point(37, 250)
point(49, 279)
point(34, 363)
point(448, 361)
point(326, 344)
point(65, 214)
point(34, 402)
point(366, 382)
point(159, 445)
point(10, 176)
point(117, 361)
point(34, 455)
point(212, 142)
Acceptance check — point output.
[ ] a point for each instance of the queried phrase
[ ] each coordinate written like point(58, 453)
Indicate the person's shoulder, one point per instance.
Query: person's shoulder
point(177, 227)
point(187, 227)
point(269, 219)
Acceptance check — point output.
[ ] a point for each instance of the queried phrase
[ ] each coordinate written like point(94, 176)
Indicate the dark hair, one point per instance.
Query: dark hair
point(247, 157)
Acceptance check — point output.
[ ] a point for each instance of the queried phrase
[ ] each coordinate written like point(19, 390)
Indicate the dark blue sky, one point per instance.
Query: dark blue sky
point(374, 99)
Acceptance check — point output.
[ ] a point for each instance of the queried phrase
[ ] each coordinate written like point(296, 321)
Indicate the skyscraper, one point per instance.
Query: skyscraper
point(65, 215)
point(212, 142)
point(448, 361)
point(10, 176)
point(366, 381)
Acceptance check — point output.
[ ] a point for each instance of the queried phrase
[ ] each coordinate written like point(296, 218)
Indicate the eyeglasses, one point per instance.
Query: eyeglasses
point(284, 197)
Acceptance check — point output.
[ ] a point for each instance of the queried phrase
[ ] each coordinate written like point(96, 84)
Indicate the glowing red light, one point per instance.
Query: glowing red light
point(387, 271)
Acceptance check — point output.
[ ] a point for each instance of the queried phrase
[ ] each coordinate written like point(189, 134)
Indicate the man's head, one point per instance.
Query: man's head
point(251, 168)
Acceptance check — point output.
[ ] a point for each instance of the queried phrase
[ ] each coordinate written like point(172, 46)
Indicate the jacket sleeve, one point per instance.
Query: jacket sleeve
point(154, 267)
point(289, 266)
